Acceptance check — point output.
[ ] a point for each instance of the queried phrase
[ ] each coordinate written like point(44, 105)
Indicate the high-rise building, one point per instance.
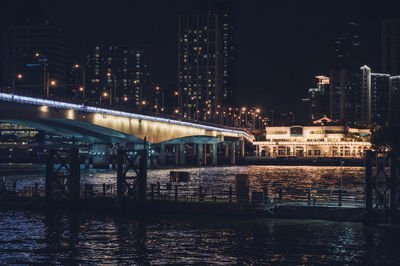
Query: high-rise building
point(206, 63)
point(394, 112)
point(390, 46)
point(118, 74)
point(347, 46)
point(36, 48)
point(319, 98)
point(376, 98)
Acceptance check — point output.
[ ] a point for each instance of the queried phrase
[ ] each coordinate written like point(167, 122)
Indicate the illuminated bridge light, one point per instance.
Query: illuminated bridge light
point(92, 109)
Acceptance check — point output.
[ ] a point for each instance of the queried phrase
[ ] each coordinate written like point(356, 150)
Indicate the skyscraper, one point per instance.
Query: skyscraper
point(347, 46)
point(35, 47)
point(390, 46)
point(206, 63)
point(118, 73)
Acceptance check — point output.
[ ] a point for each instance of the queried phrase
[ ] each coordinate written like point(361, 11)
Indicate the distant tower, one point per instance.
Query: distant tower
point(390, 46)
point(347, 47)
point(206, 57)
point(33, 32)
point(319, 98)
point(121, 69)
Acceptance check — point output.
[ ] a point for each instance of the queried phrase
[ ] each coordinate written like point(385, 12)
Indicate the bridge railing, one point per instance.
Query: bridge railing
point(117, 108)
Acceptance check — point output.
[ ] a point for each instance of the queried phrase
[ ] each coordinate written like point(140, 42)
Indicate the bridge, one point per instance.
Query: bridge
point(105, 127)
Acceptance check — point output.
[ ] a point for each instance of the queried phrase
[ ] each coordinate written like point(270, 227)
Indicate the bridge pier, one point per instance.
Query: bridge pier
point(162, 152)
point(214, 154)
point(226, 149)
point(233, 152)
point(182, 154)
point(205, 154)
point(242, 147)
point(176, 153)
point(100, 156)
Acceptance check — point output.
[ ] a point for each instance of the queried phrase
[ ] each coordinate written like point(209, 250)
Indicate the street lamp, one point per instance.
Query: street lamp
point(18, 76)
point(41, 58)
point(105, 94)
point(82, 88)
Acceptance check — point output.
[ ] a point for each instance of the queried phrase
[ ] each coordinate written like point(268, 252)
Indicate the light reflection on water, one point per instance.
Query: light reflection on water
point(27, 238)
point(220, 178)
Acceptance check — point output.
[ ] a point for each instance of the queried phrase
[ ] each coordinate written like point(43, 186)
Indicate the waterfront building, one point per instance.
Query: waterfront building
point(314, 141)
point(118, 74)
point(390, 46)
point(206, 55)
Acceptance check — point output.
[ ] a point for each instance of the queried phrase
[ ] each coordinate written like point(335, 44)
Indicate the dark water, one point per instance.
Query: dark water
point(27, 238)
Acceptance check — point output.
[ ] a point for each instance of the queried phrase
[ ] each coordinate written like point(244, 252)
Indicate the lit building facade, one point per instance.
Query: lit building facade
point(120, 71)
point(206, 55)
point(319, 98)
point(314, 141)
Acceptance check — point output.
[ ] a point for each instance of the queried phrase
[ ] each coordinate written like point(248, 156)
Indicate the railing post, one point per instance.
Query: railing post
point(368, 182)
point(158, 191)
point(309, 196)
point(49, 177)
point(15, 188)
point(230, 194)
point(200, 193)
point(176, 192)
point(104, 190)
point(120, 174)
point(340, 197)
point(280, 195)
point(265, 194)
point(152, 191)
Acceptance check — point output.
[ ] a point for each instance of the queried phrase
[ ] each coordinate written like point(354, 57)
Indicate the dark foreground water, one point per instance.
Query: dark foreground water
point(27, 238)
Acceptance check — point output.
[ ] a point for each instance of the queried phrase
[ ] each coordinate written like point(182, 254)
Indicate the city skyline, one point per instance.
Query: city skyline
point(266, 53)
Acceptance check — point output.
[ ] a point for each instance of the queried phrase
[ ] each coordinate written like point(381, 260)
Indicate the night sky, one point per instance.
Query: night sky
point(281, 45)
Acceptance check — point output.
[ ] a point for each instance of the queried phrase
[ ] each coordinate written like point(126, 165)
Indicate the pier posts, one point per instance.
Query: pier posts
point(368, 182)
point(214, 154)
point(120, 174)
point(49, 176)
point(394, 185)
point(74, 178)
point(265, 194)
point(142, 176)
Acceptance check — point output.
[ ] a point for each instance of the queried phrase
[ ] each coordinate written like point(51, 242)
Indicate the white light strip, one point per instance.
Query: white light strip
point(91, 109)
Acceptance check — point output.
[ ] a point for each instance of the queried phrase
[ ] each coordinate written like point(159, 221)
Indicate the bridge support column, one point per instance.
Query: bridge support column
point(199, 153)
point(162, 151)
point(194, 149)
point(205, 154)
point(214, 154)
point(182, 154)
point(226, 149)
point(176, 154)
point(242, 148)
point(99, 155)
point(233, 152)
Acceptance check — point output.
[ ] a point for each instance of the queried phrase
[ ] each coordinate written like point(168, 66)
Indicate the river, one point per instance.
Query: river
point(30, 238)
